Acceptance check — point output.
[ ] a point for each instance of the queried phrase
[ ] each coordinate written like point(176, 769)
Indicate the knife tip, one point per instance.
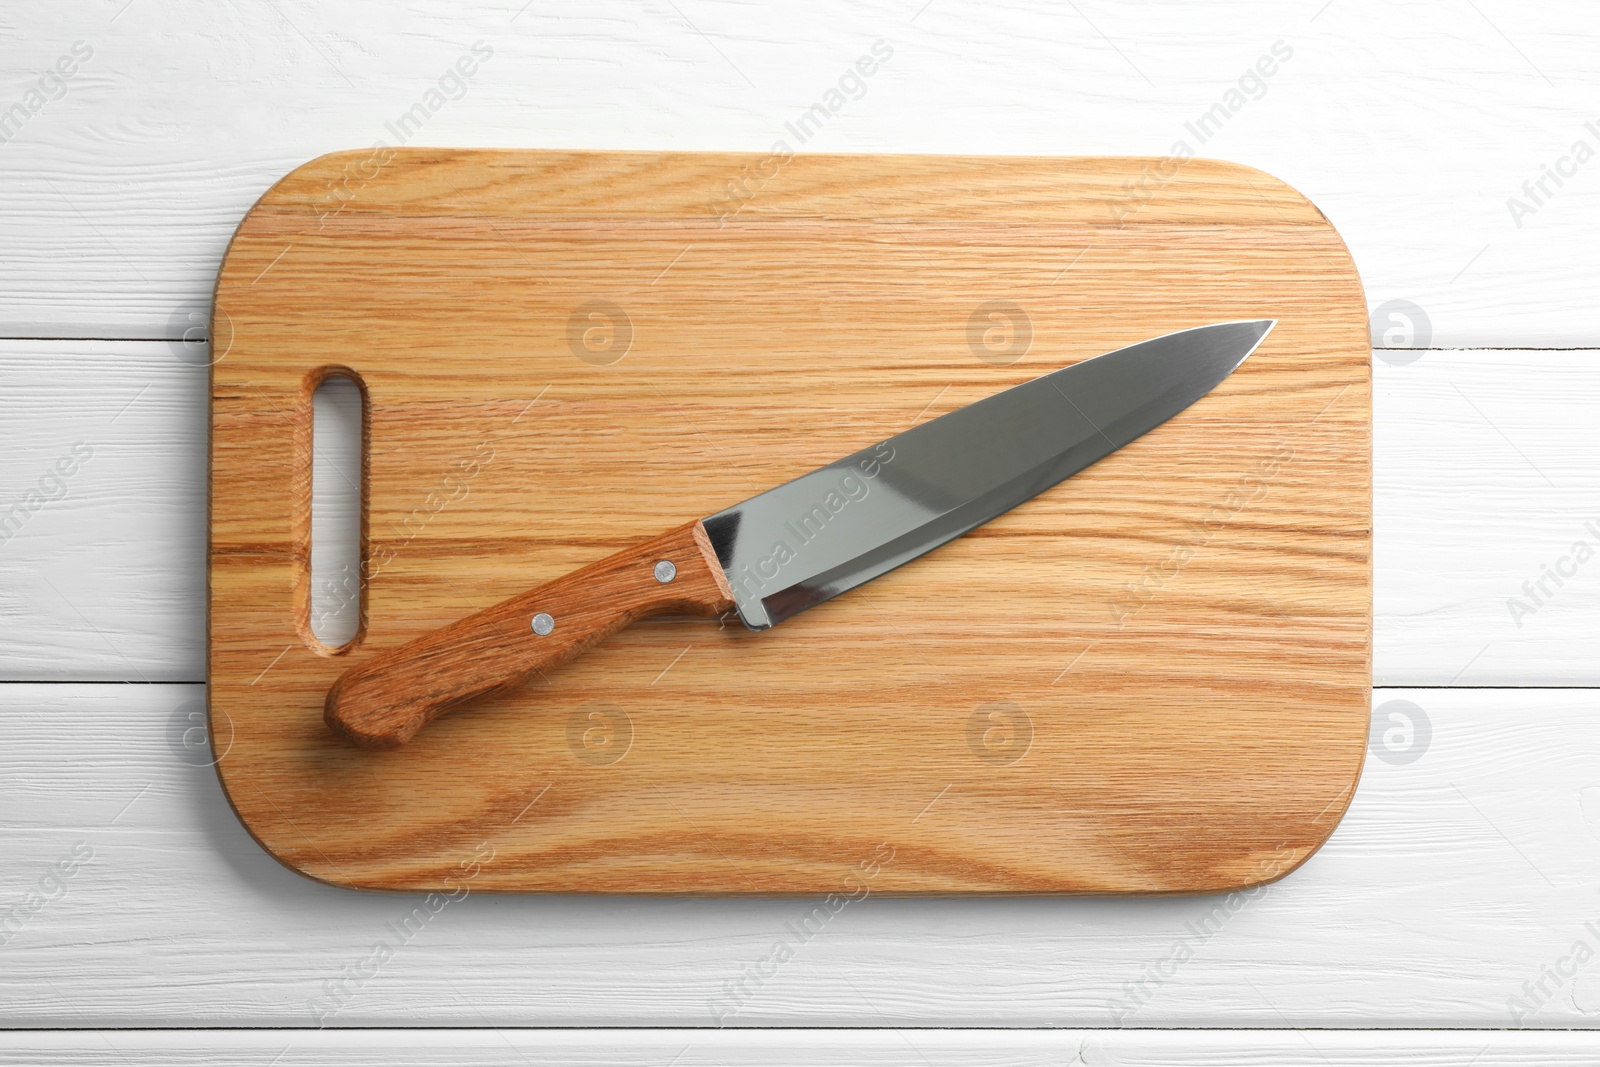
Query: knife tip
point(1256, 331)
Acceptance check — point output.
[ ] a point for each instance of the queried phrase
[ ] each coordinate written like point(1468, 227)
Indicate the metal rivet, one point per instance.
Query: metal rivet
point(543, 624)
point(666, 570)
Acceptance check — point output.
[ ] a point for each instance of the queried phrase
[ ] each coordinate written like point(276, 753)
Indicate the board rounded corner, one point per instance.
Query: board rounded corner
point(261, 840)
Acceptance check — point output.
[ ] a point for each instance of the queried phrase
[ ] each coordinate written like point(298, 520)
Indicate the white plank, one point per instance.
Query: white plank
point(789, 1047)
point(1484, 474)
point(1410, 125)
point(1456, 877)
point(102, 574)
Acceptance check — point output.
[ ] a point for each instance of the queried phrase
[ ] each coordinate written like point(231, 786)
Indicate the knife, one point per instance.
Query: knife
point(807, 541)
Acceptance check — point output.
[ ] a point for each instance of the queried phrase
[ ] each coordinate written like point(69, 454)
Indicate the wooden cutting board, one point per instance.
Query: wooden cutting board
point(1153, 678)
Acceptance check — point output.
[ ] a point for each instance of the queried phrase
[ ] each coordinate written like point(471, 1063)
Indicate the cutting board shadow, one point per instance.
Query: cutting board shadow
point(1153, 678)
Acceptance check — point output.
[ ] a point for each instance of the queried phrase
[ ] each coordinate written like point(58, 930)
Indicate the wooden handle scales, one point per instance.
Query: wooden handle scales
point(386, 700)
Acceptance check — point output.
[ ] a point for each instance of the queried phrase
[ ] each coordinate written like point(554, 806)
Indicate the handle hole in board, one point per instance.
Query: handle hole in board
point(338, 512)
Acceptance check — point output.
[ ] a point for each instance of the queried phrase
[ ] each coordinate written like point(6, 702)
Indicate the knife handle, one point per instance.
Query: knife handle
point(383, 702)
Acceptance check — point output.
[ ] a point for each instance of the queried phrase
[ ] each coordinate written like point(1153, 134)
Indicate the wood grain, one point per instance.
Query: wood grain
point(388, 698)
point(983, 1047)
point(1154, 680)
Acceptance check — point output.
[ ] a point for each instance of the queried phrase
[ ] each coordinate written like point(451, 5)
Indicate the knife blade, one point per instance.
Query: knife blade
point(806, 541)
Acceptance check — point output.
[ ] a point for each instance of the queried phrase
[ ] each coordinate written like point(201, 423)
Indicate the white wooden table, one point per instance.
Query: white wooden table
point(1453, 917)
